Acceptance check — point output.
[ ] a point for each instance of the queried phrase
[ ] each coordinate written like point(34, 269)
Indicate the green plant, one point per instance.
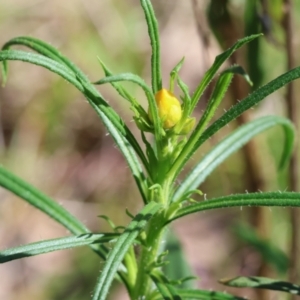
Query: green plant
point(177, 136)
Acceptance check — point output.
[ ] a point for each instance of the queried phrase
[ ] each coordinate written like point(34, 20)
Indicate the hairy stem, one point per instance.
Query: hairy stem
point(148, 257)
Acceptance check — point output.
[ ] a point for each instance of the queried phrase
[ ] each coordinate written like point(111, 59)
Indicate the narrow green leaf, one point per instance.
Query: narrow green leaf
point(174, 74)
point(150, 97)
point(206, 295)
point(47, 246)
point(42, 202)
point(248, 102)
point(42, 61)
point(116, 127)
point(120, 89)
point(45, 204)
point(231, 144)
point(185, 89)
point(213, 104)
point(253, 57)
point(166, 289)
point(140, 115)
point(128, 77)
point(44, 49)
point(263, 283)
point(186, 103)
point(155, 45)
point(121, 247)
point(238, 200)
point(49, 51)
point(237, 69)
point(48, 206)
point(52, 53)
point(121, 134)
point(219, 60)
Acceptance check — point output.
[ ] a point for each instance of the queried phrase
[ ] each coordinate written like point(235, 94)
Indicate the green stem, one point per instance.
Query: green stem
point(148, 257)
point(152, 246)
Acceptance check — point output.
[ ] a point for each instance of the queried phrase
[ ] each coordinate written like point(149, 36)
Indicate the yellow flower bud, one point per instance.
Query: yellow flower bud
point(169, 108)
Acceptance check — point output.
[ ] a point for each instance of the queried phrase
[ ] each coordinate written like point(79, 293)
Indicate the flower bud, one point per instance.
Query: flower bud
point(169, 108)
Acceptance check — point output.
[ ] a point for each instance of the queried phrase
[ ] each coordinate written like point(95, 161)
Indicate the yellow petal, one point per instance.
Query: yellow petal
point(169, 108)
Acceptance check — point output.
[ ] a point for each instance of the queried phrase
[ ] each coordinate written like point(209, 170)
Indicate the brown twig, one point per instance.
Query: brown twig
point(293, 115)
point(227, 32)
point(202, 29)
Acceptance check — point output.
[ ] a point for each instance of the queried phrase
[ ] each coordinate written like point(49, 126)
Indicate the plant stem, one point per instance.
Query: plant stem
point(152, 244)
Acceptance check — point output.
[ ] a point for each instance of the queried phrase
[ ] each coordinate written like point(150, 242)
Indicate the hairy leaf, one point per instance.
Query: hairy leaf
point(219, 60)
point(231, 144)
point(121, 247)
point(116, 127)
point(47, 246)
point(155, 45)
point(263, 283)
point(238, 200)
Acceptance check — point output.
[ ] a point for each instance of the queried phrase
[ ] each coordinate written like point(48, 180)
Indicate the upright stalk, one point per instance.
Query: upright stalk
point(148, 257)
point(151, 247)
point(292, 110)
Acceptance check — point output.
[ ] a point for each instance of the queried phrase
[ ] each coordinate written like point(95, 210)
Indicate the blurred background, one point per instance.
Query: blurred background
point(52, 138)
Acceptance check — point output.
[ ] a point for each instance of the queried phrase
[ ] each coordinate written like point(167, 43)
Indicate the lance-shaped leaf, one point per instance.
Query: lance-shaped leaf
point(45, 204)
point(206, 295)
point(54, 245)
point(121, 247)
point(116, 127)
point(52, 53)
point(42, 202)
point(263, 283)
point(120, 89)
point(140, 115)
point(219, 60)
point(167, 290)
point(43, 61)
point(231, 144)
point(238, 200)
point(174, 74)
point(155, 45)
point(48, 206)
point(248, 102)
point(44, 49)
point(120, 134)
point(158, 131)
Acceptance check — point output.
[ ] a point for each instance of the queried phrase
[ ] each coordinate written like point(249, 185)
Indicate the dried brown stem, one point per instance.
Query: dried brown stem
point(202, 29)
point(292, 114)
